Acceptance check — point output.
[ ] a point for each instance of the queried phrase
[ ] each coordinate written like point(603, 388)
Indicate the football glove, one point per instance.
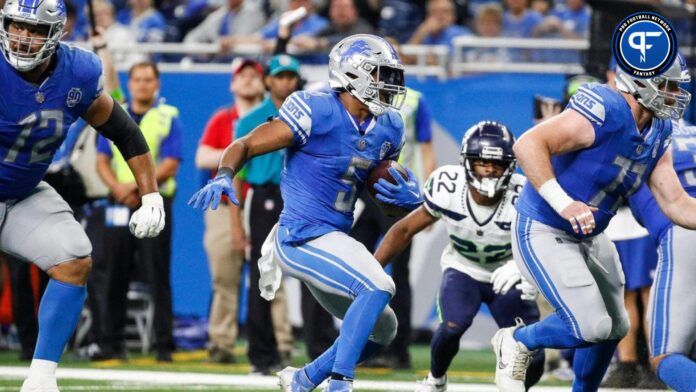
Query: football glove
point(505, 277)
point(529, 292)
point(148, 220)
point(405, 194)
point(210, 194)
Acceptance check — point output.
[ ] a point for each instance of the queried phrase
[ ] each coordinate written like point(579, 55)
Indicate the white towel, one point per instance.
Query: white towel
point(269, 268)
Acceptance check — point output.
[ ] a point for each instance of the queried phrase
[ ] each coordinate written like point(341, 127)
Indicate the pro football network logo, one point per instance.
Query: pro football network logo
point(645, 44)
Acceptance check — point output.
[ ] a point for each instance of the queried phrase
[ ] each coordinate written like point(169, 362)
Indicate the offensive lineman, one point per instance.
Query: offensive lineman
point(47, 85)
point(672, 329)
point(476, 201)
point(582, 165)
point(332, 140)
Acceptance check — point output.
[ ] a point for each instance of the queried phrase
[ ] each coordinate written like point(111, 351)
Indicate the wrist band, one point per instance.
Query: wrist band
point(225, 171)
point(557, 198)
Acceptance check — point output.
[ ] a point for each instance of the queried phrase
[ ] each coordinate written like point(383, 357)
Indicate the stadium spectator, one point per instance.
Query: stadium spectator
point(225, 239)
point(543, 7)
point(344, 21)
point(309, 26)
point(163, 130)
point(144, 20)
point(237, 18)
point(439, 26)
point(263, 206)
point(400, 18)
point(488, 24)
point(518, 20)
point(571, 20)
point(114, 32)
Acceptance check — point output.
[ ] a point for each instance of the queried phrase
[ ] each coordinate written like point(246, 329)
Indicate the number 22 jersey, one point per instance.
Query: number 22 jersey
point(476, 247)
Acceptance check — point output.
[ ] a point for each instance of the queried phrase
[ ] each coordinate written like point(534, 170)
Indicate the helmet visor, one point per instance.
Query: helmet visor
point(390, 84)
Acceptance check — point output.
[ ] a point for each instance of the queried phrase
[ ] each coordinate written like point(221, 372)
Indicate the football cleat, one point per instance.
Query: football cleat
point(512, 359)
point(40, 384)
point(293, 379)
point(432, 384)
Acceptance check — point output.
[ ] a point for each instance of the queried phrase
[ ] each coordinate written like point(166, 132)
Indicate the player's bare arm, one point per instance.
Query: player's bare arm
point(673, 200)
point(267, 137)
point(106, 116)
point(400, 235)
point(569, 131)
point(271, 136)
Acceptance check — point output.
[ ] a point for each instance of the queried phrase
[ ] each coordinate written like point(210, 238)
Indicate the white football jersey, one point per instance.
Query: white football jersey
point(477, 247)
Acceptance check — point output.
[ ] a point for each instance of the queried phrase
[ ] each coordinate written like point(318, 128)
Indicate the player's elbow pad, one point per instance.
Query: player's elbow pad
point(124, 132)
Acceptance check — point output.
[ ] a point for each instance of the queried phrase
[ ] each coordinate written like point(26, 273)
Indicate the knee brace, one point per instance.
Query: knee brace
point(385, 329)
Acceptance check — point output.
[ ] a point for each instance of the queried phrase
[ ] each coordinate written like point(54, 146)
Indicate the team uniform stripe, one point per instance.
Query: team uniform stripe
point(293, 125)
point(535, 267)
point(301, 104)
point(591, 93)
point(338, 263)
point(582, 110)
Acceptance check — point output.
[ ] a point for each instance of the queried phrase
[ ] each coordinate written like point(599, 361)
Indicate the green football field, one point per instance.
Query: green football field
point(471, 370)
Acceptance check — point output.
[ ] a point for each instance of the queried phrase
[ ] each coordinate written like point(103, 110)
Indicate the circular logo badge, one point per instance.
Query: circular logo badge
point(645, 44)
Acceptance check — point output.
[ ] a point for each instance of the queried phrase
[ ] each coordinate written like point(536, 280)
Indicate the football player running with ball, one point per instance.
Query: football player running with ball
point(47, 86)
point(332, 140)
point(476, 201)
point(581, 166)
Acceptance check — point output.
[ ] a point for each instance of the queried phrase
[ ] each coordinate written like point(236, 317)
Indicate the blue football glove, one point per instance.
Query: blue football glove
point(210, 194)
point(405, 193)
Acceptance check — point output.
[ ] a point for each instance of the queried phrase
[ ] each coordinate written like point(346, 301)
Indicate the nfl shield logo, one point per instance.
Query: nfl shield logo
point(386, 146)
point(74, 97)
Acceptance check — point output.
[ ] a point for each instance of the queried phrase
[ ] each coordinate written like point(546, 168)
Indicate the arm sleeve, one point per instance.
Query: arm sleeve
point(104, 146)
point(296, 112)
point(423, 122)
point(171, 145)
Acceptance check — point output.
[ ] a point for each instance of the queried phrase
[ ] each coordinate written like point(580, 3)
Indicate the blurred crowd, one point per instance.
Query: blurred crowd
point(234, 24)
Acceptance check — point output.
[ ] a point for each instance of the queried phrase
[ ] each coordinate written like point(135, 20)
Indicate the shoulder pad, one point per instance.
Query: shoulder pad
point(393, 119)
point(591, 101)
point(321, 103)
point(444, 187)
point(86, 65)
point(517, 180)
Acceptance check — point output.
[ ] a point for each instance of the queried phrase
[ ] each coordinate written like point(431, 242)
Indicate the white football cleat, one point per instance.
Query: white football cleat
point(512, 359)
point(285, 377)
point(432, 384)
point(40, 384)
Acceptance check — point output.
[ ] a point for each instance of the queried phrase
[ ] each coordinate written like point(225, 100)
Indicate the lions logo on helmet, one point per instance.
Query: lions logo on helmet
point(19, 50)
point(368, 68)
point(662, 94)
point(490, 141)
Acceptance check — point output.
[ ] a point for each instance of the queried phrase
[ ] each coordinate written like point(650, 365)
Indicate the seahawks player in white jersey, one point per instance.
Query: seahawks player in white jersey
point(476, 201)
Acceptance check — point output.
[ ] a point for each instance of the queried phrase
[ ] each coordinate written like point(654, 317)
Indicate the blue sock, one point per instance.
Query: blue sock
point(550, 332)
point(320, 369)
point(678, 372)
point(357, 325)
point(590, 364)
point(59, 314)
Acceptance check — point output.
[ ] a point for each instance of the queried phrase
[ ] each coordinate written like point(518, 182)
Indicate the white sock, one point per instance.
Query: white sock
point(42, 367)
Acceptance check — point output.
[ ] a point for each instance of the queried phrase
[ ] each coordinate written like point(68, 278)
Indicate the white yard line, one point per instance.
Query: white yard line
point(176, 380)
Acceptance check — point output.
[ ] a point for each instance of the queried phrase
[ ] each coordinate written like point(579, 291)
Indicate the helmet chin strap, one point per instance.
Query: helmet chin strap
point(488, 186)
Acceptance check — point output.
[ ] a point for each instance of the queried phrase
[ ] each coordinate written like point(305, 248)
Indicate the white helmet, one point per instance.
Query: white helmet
point(368, 68)
point(49, 14)
point(662, 94)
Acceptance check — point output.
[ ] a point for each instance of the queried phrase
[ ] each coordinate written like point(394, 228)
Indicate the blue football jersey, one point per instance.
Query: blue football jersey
point(605, 174)
point(325, 170)
point(643, 204)
point(34, 119)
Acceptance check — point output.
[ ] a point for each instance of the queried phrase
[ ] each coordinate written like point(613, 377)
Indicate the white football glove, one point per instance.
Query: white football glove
point(148, 220)
point(505, 277)
point(529, 292)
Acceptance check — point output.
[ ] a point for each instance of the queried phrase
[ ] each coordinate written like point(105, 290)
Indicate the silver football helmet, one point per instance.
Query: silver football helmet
point(44, 15)
point(368, 68)
point(662, 94)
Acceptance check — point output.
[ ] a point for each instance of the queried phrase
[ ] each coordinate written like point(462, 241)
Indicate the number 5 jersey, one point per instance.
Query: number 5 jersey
point(479, 237)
